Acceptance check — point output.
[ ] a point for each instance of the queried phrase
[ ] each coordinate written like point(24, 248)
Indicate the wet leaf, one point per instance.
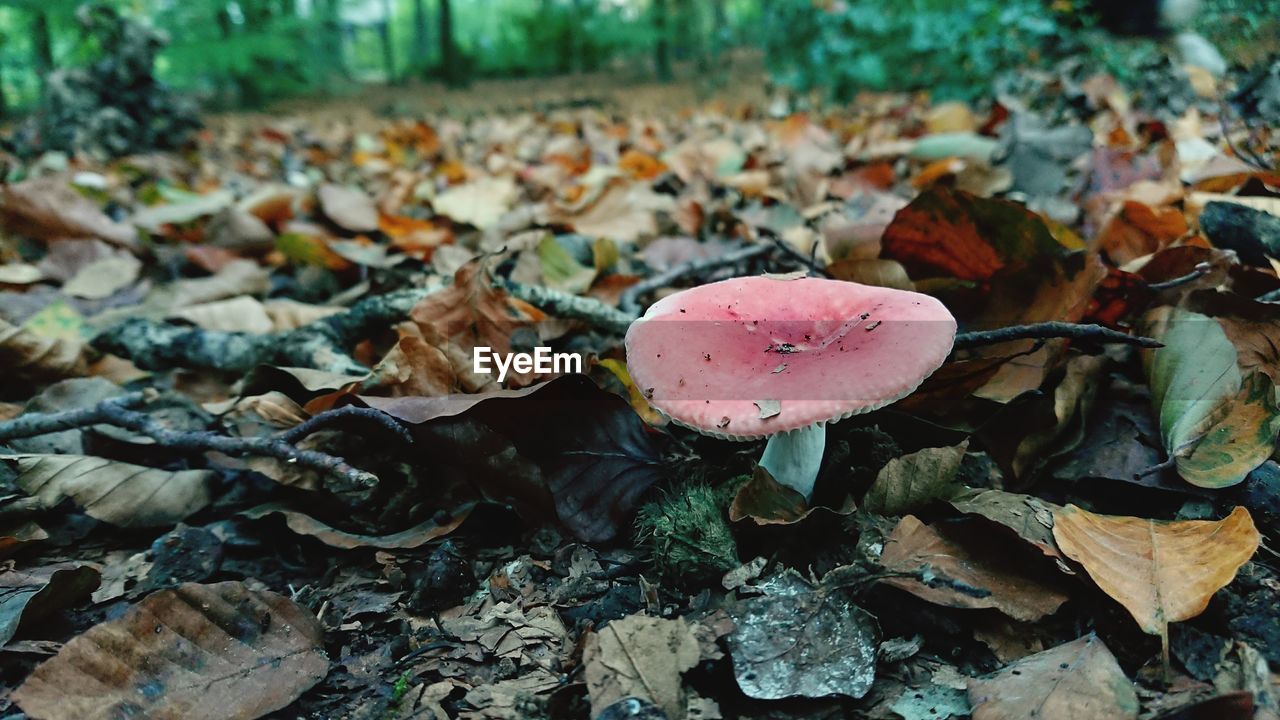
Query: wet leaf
point(1160, 571)
point(966, 578)
point(198, 651)
point(114, 492)
point(1080, 679)
point(26, 597)
point(915, 479)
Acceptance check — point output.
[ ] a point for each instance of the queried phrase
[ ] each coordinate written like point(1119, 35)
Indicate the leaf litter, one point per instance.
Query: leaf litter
point(250, 467)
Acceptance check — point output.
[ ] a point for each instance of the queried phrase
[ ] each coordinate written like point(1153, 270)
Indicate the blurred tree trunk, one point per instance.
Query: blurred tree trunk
point(41, 45)
point(450, 69)
point(421, 35)
point(662, 44)
point(719, 29)
point(388, 52)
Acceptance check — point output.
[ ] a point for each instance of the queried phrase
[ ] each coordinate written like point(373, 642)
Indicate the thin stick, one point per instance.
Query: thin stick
point(1198, 272)
point(1048, 330)
point(296, 433)
point(630, 300)
point(32, 424)
point(117, 412)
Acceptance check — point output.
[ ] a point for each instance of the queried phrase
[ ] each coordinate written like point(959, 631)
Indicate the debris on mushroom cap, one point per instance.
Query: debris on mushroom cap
point(714, 357)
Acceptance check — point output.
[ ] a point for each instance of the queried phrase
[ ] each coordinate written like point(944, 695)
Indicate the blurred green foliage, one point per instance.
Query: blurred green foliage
point(246, 53)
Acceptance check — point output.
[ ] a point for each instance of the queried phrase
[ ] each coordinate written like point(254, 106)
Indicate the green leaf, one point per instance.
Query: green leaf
point(560, 271)
point(1216, 424)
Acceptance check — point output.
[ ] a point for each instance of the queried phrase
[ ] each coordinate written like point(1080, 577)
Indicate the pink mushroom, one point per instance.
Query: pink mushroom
point(780, 357)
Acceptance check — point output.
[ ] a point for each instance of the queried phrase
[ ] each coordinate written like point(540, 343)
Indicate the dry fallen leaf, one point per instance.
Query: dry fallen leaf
point(28, 596)
point(1160, 571)
point(114, 492)
point(24, 355)
point(348, 208)
point(49, 209)
point(1080, 680)
point(480, 202)
point(989, 580)
point(639, 656)
point(198, 652)
point(471, 313)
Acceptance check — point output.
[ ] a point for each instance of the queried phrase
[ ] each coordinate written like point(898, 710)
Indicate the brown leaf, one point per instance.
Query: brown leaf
point(13, 537)
point(1080, 680)
point(952, 233)
point(198, 652)
point(915, 479)
point(1030, 517)
point(114, 492)
point(1138, 230)
point(48, 208)
point(416, 536)
point(1160, 571)
point(471, 313)
point(348, 208)
point(25, 355)
point(638, 656)
point(974, 579)
point(768, 502)
point(27, 597)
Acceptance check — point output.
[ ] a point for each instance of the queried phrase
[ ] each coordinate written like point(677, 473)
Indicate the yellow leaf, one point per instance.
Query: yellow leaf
point(1160, 571)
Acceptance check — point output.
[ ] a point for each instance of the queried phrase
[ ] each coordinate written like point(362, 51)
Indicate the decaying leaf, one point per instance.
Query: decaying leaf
point(471, 313)
point(348, 208)
point(968, 579)
point(24, 355)
point(955, 234)
point(642, 657)
point(1160, 571)
point(1030, 517)
point(197, 652)
point(28, 596)
point(912, 480)
point(803, 644)
point(432, 529)
point(114, 492)
point(48, 208)
point(1202, 398)
point(1080, 679)
point(480, 202)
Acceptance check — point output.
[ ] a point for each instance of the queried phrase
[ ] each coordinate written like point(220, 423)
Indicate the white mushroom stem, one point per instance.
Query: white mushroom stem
point(793, 457)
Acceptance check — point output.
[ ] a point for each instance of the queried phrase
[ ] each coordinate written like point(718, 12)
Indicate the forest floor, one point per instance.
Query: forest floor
point(250, 468)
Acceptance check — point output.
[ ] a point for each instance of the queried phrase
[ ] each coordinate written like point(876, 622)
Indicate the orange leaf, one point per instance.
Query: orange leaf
point(1160, 571)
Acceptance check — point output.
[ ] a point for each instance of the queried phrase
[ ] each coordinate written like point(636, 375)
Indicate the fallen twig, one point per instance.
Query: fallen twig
point(572, 307)
point(320, 345)
point(1050, 330)
point(32, 424)
point(1196, 273)
point(117, 412)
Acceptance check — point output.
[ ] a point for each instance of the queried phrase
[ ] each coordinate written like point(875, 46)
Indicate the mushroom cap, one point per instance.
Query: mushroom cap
point(750, 357)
